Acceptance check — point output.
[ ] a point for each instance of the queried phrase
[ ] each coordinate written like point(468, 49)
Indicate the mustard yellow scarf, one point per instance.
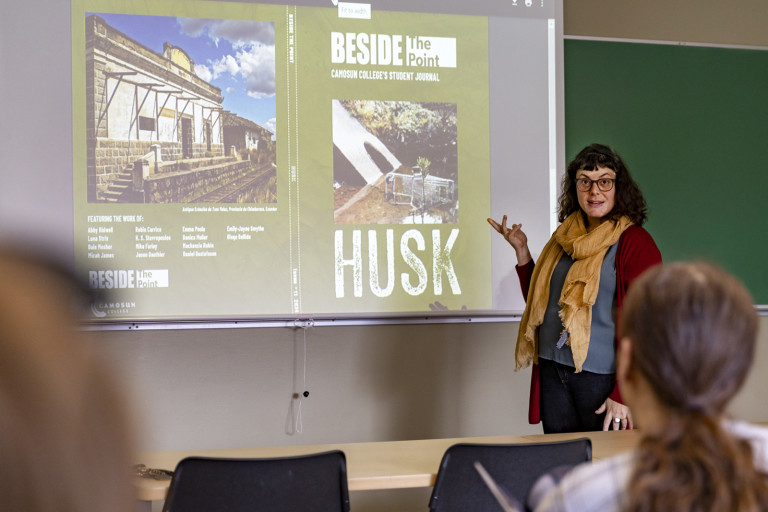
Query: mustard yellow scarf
point(579, 290)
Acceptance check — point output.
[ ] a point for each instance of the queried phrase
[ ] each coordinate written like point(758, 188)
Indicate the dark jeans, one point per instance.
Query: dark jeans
point(568, 400)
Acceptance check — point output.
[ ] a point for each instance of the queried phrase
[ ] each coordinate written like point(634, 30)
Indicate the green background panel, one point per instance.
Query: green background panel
point(692, 125)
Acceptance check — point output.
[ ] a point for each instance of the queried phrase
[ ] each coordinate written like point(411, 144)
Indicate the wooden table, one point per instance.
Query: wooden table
point(372, 466)
point(604, 444)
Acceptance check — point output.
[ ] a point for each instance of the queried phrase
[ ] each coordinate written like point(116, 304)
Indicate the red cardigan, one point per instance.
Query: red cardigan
point(636, 252)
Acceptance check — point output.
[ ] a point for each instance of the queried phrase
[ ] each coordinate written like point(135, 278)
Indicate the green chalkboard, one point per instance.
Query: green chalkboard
point(692, 125)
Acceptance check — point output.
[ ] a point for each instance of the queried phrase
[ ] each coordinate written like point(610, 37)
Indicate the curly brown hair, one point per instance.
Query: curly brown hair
point(693, 329)
point(629, 198)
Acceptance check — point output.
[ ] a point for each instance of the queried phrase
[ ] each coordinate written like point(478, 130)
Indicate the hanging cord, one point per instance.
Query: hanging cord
point(304, 324)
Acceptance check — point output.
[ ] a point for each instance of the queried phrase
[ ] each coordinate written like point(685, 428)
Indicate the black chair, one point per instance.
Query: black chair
point(515, 467)
point(306, 483)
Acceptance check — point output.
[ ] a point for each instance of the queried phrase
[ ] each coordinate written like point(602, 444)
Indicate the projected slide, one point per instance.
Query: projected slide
point(236, 161)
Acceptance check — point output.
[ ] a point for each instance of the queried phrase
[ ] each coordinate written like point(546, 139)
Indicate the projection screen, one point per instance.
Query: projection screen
point(213, 162)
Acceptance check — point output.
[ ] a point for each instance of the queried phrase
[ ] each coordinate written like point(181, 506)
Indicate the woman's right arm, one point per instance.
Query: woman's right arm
point(524, 274)
point(519, 241)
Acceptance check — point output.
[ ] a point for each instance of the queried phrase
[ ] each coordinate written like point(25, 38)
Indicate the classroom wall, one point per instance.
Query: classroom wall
point(695, 21)
point(222, 388)
point(230, 388)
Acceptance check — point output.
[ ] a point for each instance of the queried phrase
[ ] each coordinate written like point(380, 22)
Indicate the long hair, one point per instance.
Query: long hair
point(66, 442)
point(693, 329)
point(629, 198)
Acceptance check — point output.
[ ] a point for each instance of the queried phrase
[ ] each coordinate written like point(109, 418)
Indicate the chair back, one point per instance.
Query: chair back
point(515, 467)
point(306, 483)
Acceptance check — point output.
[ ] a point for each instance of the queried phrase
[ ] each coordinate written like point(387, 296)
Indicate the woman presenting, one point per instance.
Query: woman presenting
point(575, 291)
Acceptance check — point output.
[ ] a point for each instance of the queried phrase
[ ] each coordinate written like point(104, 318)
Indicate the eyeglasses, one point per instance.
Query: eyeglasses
point(585, 184)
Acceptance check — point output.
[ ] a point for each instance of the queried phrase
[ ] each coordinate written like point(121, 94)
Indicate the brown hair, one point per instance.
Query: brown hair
point(693, 329)
point(65, 442)
point(629, 198)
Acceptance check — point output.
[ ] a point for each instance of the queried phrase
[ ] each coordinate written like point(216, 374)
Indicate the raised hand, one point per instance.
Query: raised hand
point(516, 238)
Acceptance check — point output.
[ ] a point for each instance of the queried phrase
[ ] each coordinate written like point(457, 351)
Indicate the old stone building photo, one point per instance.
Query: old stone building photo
point(158, 132)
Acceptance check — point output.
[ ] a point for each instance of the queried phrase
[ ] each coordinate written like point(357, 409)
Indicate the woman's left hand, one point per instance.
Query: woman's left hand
point(614, 410)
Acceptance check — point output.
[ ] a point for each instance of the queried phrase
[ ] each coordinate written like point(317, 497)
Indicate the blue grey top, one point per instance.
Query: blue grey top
point(601, 356)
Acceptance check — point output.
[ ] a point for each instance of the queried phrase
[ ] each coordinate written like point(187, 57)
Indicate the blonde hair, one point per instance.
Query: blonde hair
point(65, 442)
point(693, 329)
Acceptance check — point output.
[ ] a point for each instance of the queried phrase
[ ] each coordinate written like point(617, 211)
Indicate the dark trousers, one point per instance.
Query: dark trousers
point(568, 400)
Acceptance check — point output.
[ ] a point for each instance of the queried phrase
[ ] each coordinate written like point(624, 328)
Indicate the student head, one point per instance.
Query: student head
point(693, 331)
point(628, 199)
point(64, 434)
point(688, 340)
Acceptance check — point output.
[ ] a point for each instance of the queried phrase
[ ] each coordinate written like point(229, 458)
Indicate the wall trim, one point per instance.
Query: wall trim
point(670, 43)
